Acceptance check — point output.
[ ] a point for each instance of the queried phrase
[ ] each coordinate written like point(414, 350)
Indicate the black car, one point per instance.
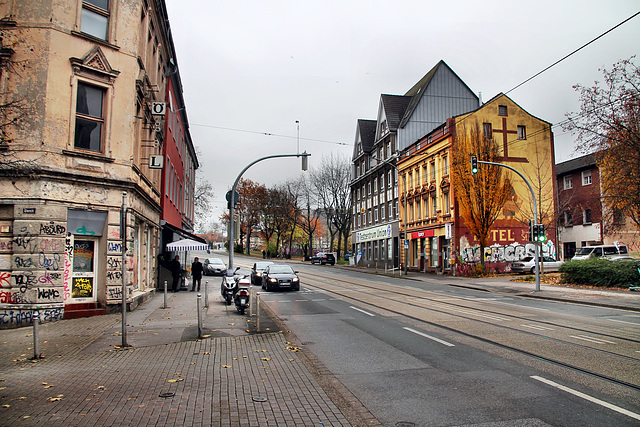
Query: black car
point(214, 267)
point(323, 258)
point(257, 270)
point(280, 276)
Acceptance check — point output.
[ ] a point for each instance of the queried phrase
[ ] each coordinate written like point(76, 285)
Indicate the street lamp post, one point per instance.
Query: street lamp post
point(232, 201)
point(535, 213)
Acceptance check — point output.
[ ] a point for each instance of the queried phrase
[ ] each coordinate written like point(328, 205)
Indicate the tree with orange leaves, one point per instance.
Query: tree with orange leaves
point(480, 196)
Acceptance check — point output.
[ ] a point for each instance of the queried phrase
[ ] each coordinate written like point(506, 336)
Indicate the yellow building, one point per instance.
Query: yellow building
point(435, 230)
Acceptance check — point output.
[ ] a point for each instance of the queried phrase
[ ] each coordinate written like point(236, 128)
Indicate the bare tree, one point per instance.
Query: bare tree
point(331, 184)
point(14, 111)
point(202, 198)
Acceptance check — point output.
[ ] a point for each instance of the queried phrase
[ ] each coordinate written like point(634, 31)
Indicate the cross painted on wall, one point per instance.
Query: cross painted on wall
point(505, 143)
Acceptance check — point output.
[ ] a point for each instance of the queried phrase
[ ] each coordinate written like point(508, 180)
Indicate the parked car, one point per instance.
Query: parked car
point(323, 258)
point(257, 270)
point(600, 251)
point(280, 276)
point(214, 267)
point(623, 258)
point(527, 265)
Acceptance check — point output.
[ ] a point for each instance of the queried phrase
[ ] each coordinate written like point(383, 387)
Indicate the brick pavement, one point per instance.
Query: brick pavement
point(228, 378)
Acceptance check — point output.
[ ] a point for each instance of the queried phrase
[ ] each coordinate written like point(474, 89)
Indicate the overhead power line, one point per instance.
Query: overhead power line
point(575, 51)
point(268, 134)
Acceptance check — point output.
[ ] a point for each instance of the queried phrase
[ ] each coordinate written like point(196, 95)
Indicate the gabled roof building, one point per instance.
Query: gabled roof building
point(401, 121)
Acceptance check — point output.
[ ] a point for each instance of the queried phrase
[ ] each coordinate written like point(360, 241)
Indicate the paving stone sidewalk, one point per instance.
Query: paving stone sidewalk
point(168, 377)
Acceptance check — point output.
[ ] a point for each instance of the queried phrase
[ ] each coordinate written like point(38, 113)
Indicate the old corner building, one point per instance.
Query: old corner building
point(78, 84)
point(437, 237)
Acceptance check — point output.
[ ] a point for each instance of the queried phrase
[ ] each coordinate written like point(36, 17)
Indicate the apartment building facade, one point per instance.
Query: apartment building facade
point(82, 155)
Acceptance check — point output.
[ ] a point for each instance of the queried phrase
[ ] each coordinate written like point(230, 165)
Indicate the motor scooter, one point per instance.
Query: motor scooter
point(229, 285)
point(241, 297)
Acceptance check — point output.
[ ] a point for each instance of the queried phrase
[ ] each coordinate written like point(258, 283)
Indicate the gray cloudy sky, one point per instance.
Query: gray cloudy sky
point(251, 67)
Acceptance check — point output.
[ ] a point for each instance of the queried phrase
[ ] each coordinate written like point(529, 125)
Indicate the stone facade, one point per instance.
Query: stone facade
point(83, 76)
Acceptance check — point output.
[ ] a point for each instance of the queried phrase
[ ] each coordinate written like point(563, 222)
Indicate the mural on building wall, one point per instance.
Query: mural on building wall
point(503, 253)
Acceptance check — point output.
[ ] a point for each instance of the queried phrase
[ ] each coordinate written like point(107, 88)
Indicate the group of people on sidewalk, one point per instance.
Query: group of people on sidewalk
point(177, 273)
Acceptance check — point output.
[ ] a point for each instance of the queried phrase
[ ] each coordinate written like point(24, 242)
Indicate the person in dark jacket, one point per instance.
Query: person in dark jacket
point(196, 273)
point(176, 270)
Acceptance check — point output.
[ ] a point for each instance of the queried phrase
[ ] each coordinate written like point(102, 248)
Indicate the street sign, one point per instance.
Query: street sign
point(158, 108)
point(155, 162)
point(406, 244)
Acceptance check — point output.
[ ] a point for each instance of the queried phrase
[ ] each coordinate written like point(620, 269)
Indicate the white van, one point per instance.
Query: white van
point(601, 251)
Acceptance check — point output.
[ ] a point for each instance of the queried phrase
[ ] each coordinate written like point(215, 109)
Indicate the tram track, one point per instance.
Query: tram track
point(368, 294)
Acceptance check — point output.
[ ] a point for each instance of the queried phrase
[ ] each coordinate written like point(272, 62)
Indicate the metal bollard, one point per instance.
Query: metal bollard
point(258, 311)
point(165, 294)
point(206, 293)
point(199, 315)
point(36, 339)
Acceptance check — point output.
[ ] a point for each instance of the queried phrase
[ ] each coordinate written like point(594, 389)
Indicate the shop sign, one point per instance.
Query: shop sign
point(375, 233)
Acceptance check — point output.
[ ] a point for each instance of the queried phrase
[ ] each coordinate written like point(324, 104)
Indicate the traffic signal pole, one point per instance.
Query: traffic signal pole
point(232, 201)
point(475, 161)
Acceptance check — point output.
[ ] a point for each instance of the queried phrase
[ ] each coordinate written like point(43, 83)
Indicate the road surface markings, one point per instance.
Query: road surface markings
point(592, 339)
point(362, 311)
point(486, 316)
point(622, 321)
point(538, 327)
point(587, 397)
point(422, 334)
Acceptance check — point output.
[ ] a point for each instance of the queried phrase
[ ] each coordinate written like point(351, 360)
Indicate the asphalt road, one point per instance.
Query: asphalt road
point(429, 354)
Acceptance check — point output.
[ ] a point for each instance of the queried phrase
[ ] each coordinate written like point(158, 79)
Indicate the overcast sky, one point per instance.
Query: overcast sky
point(253, 67)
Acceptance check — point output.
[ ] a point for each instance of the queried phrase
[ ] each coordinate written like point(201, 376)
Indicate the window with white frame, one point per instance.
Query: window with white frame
point(586, 216)
point(95, 18)
point(586, 177)
point(568, 182)
point(89, 117)
point(433, 171)
point(375, 185)
point(446, 202)
point(445, 165)
point(382, 217)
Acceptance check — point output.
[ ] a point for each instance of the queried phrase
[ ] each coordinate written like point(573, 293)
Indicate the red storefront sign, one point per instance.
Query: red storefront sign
point(421, 234)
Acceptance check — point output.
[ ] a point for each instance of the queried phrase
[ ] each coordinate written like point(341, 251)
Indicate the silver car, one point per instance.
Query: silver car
point(527, 265)
point(214, 267)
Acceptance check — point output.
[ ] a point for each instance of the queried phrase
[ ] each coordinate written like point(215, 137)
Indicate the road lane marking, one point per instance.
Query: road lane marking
point(592, 339)
point(622, 321)
point(362, 311)
point(422, 334)
point(539, 328)
point(587, 397)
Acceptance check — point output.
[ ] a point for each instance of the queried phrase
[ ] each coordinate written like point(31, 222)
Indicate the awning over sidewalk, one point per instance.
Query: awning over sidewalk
point(187, 245)
point(184, 233)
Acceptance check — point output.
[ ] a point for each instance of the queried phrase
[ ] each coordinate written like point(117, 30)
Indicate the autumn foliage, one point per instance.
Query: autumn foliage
point(609, 123)
point(480, 196)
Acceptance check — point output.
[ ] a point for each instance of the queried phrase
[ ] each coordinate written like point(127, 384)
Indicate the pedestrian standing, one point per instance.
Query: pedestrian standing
point(196, 273)
point(176, 271)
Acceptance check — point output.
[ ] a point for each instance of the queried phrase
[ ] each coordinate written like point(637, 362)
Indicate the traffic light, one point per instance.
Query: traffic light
point(474, 164)
point(532, 237)
point(540, 237)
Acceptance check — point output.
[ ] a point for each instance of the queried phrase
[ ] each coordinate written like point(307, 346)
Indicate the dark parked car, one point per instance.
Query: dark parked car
point(323, 258)
point(214, 267)
point(257, 270)
point(280, 276)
